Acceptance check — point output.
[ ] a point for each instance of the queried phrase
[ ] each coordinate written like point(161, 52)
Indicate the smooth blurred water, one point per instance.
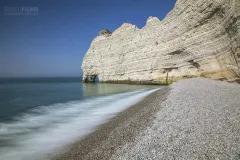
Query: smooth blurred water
point(40, 115)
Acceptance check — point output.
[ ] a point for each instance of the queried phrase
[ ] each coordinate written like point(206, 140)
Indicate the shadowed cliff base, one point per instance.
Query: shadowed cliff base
point(169, 78)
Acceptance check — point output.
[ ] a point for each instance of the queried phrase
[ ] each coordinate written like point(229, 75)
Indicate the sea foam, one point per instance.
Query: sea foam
point(47, 129)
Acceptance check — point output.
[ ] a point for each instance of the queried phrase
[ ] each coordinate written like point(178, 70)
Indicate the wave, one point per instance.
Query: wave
point(46, 129)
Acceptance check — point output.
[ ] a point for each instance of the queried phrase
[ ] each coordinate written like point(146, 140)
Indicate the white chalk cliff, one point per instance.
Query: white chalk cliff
point(198, 38)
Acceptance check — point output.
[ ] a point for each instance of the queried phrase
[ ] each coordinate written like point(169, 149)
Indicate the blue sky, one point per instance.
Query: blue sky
point(54, 42)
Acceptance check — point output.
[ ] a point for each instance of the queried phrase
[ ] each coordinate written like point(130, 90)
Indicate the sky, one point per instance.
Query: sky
point(53, 42)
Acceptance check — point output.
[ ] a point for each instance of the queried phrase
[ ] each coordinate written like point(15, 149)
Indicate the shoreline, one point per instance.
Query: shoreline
point(191, 119)
point(118, 131)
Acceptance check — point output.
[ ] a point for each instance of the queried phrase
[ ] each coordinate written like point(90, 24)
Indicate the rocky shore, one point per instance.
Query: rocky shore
point(191, 119)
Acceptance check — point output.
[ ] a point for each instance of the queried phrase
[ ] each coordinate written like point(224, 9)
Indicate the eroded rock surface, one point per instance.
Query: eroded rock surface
point(198, 38)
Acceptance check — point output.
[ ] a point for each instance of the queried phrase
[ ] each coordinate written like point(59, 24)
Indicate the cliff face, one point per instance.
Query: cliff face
point(198, 38)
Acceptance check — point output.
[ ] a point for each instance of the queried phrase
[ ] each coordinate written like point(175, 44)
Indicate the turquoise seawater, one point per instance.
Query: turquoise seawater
point(38, 116)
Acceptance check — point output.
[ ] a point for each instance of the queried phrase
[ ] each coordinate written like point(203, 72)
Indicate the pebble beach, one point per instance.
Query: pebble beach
point(190, 119)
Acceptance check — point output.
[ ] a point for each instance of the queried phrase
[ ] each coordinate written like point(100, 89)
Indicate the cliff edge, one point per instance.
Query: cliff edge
point(198, 38)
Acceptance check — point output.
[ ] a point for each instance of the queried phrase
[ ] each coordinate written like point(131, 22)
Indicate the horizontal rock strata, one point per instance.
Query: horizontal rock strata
point(198, 38)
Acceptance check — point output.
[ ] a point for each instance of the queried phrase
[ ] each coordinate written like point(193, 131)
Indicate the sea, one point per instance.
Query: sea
point(41, 116)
